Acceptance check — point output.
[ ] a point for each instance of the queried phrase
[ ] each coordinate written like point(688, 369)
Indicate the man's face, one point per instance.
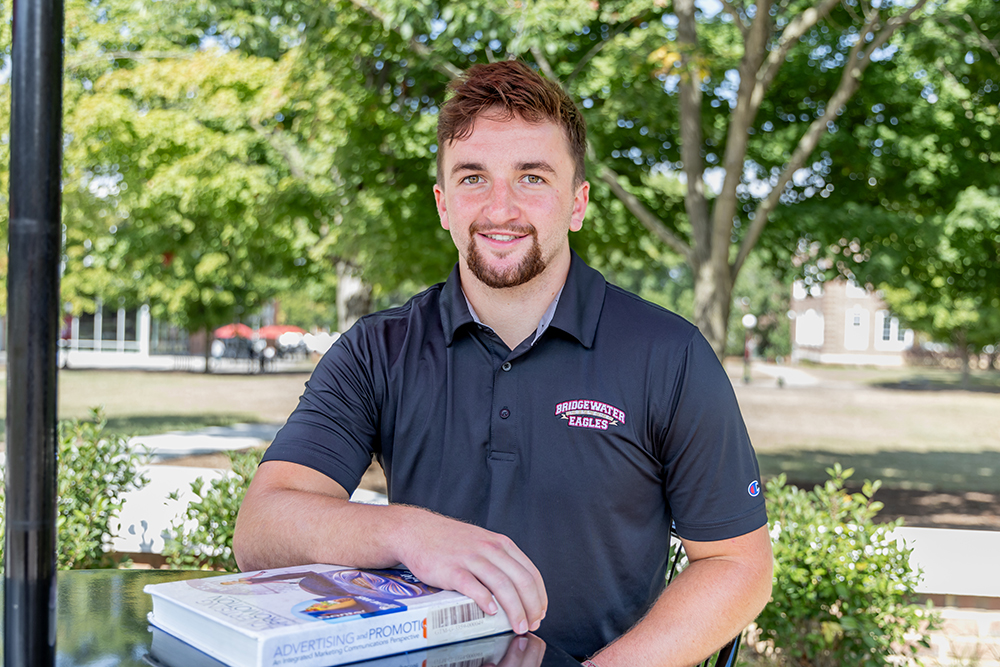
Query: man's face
point(509, 201)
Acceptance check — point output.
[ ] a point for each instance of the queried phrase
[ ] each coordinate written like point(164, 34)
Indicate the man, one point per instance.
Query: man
point(539, 428)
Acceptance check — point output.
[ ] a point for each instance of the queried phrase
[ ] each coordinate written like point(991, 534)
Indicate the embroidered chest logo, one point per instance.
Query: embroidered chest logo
point(590, 414)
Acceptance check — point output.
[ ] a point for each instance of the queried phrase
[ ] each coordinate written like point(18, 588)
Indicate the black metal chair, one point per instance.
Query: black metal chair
point(725, 656)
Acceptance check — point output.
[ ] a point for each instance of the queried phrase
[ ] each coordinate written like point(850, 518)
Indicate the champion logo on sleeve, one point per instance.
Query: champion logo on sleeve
point(583, 413)
point(754, 489)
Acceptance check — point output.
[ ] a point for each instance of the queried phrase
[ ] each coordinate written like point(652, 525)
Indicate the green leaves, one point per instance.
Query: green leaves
point(843, 586)
point(96, 468)
point(191, 205)
point(203, 537)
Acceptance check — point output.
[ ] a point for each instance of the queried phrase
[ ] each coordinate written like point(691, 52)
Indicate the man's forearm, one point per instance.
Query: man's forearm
point(297, 527)
point(705, 606)
point(292, 515)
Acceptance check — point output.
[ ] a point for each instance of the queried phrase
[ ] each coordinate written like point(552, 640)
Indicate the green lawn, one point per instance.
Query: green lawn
point(910, 427)
point(145, 402)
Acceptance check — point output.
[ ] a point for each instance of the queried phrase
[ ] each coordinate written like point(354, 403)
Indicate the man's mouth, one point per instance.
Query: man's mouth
point(501, 237)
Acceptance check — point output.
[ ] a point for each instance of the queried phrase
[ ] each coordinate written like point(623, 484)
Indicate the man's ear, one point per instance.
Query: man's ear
point(442, 208)
point(580, 201)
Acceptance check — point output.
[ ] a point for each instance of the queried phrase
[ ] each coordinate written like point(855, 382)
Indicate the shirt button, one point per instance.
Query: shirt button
point(506, 366)
point(504, 413)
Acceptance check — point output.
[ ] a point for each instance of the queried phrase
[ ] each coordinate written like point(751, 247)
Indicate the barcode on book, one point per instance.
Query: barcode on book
point(443, 618)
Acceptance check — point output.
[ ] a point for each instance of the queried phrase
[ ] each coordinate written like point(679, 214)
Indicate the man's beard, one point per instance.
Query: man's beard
point(529, 267)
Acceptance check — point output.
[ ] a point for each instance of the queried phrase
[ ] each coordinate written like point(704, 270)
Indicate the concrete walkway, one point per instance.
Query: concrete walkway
point(148, 515)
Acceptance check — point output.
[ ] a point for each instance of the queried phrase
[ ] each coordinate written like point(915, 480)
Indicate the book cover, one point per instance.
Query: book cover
point(169, 651)
point(315, 615)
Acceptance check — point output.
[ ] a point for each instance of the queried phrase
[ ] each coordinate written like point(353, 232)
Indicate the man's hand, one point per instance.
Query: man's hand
point(293, 515)
point(478, 563)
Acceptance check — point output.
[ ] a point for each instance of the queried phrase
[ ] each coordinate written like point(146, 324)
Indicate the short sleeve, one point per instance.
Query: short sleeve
point(333, 429)
point(711, 478)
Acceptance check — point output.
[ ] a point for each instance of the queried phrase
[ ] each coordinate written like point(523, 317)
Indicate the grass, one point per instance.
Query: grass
point(147, 402)
point(911, 427)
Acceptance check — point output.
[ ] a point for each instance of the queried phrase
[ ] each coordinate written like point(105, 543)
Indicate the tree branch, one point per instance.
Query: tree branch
point(596, 48)
point(288, 150)
point(648, 219)
point(436, 61)
point(850, 10)
point(730, 9)
point(77, 62)
point(857, 62)
point(797, 27)
point(543, 63)
point(984, 41)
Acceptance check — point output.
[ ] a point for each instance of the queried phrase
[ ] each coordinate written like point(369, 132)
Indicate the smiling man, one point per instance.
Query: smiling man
point(540, 429)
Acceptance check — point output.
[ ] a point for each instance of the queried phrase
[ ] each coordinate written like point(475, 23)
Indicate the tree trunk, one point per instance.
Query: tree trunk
point(962, 345)
point(354, 297)
point(209, 338)
point(713, 296)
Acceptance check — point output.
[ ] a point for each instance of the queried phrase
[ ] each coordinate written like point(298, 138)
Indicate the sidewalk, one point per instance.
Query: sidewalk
point(148, 514)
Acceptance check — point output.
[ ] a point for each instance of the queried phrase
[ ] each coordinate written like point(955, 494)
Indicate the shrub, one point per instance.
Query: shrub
point(96, 468)
point(843, 585)
point(203, 538)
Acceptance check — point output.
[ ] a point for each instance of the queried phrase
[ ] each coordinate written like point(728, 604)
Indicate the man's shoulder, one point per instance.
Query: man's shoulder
point(638, 317)
point(420, 307)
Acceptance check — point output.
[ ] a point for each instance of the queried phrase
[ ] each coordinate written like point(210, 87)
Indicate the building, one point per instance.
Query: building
point(840, 322)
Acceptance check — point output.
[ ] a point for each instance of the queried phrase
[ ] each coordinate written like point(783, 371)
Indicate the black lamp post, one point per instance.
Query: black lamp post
point(749, 322)
point(33, 325)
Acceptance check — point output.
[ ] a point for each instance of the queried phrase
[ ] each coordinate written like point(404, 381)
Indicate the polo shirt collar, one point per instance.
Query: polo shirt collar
point(582, 300)
point(577, 313)
point(454, 310)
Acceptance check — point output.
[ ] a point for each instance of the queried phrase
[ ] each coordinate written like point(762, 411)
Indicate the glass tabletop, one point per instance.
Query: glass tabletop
point(102, 620)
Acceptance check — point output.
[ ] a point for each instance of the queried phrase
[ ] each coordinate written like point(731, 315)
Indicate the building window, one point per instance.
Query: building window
point(809, 329)
point(857, 325)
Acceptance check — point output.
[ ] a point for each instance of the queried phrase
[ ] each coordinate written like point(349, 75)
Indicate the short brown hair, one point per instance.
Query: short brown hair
point(510, 89)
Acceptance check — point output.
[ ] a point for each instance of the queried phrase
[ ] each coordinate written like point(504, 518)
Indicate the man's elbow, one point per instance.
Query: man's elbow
point(763, 580)
point(243, 545)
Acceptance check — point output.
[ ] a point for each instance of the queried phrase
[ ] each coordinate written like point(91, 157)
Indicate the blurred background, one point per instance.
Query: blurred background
point(813, 183)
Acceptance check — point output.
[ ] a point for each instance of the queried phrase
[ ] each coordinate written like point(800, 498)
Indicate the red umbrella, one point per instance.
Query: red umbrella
point(235, 330)
point(273, 331)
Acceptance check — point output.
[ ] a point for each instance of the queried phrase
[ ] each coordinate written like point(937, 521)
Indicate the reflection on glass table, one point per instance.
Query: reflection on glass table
point(506, 650)
point(102, 620)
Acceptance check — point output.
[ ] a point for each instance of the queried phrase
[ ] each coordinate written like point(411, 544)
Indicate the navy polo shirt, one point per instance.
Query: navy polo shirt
point(581, 446)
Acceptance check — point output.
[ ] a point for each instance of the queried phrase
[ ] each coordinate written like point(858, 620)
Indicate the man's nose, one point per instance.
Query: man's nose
point(502, 205)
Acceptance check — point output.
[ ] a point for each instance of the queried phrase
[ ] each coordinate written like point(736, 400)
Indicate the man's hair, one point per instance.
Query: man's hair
point(506, 90)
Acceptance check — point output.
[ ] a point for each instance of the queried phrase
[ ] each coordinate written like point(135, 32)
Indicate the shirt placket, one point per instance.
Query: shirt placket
point(506, 446)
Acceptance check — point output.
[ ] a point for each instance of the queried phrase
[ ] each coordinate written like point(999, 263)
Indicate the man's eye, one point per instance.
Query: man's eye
point(473, 180)
point(535, 180)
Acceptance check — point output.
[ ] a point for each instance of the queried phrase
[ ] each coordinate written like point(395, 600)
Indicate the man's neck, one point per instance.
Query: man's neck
point(514, 312)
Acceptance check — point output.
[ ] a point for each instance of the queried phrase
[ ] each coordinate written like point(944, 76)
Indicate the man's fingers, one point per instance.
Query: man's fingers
point(536, 583)
point(469, 585)
point(496, 580)
point(477, 563)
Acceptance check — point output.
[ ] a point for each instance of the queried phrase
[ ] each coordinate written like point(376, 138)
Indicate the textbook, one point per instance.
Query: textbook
point(315, 615)
point(168, 651)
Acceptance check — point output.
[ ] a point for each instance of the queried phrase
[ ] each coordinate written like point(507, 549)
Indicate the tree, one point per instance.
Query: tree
point(919, 217)
point(950, 286)
point(174, 195)
point(731, 105)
